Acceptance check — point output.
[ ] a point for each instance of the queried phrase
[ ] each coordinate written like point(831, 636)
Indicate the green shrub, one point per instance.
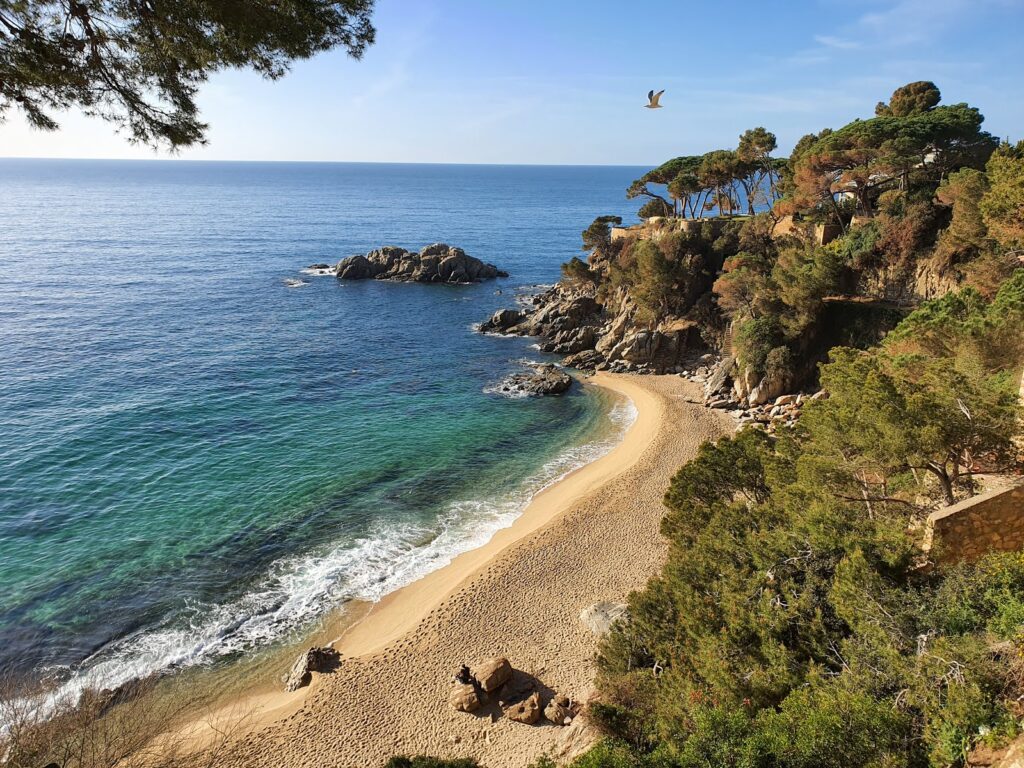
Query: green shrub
point(792, 625)
point(755, 338)
point(424, 761)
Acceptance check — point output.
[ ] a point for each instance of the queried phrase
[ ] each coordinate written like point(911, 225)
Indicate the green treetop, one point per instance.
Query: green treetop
point(140, 64)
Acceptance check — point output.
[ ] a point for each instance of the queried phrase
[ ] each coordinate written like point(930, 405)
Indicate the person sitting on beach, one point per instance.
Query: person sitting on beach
point(464, 676)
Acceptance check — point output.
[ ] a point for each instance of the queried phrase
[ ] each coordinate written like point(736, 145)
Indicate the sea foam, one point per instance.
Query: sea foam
point(297, 591)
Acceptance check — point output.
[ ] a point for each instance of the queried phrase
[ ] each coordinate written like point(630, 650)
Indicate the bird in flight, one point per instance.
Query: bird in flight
point(652, 98)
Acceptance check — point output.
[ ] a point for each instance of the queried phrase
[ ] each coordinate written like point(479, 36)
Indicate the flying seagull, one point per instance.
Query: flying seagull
point(653, 97)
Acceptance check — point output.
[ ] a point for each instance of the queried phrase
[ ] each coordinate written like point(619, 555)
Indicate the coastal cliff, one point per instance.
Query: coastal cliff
point(754, 304)
point(636, 304)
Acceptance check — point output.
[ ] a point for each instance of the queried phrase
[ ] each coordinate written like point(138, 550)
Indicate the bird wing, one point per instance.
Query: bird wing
point(650, 96)
point(654, 99)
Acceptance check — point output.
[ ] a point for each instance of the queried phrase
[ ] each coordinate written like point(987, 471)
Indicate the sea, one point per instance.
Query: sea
point(205, 449)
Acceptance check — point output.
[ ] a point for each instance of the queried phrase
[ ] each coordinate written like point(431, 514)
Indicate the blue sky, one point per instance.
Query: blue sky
point(554, 81)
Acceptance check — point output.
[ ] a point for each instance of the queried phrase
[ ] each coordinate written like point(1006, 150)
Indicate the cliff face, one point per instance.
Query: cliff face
point(647, 301)
point(637, 304)
point(601, 332)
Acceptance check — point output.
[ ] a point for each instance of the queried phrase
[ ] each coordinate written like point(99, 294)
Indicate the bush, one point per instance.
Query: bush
point(598, 234)
point(755, 338)
point(577, 270)
point(792, 625)
point(140, 725)
point(654, 207)
point(907, 234)
point(423, 761)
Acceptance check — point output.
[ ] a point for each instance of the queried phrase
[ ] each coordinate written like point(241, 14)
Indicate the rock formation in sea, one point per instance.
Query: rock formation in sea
point(541, 379)
point(437, 263)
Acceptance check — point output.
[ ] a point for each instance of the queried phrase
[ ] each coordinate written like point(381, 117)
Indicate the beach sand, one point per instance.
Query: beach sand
point(592, 536)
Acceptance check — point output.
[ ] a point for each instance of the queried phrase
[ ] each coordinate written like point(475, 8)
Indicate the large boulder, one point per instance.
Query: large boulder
point(526, 711)
point(599, 617)
point(465, 698)
point(313, 660)
point(719, 376)
point(437, 263)
point(502, 320)
point(492, 674)
point(355, 268)
point(559, 710)
point(587, 360)
point(571, 340)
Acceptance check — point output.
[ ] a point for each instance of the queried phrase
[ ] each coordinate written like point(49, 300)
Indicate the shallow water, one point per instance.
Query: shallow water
point(203, 450)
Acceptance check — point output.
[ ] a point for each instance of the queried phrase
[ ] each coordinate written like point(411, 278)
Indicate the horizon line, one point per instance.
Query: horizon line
point(325, 162)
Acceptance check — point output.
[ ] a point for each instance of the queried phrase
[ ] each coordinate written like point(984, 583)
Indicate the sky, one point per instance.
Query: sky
point(565, 81)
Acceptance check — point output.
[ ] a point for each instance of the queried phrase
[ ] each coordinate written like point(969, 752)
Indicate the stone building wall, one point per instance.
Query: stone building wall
point(991, 522)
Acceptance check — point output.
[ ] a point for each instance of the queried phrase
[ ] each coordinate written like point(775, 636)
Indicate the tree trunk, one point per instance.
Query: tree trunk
point(945, 482)
point(835, 208)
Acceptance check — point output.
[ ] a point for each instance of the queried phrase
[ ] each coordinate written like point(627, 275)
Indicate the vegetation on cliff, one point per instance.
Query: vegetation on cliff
point(798, 621)
point(838, 242)
point(801, 619)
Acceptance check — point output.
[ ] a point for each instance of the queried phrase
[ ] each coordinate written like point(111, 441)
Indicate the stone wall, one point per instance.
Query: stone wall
point(991, 522)
point(656, 225)
point(823, 234)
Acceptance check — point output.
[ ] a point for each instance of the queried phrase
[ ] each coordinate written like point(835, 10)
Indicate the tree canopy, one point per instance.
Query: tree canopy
point(1003, 207)
point(911, 139)
point(719, 180)
point(793, 624)
point(140, 64)
point(914, 97)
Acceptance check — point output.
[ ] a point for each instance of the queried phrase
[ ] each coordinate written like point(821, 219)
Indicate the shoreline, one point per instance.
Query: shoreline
point(590, 536)
point(361, 628)
point(398, 612)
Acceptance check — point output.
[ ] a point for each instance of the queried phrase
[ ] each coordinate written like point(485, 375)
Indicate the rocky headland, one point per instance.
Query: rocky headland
point(599, 335)
point(664, 297)
point(437, 263)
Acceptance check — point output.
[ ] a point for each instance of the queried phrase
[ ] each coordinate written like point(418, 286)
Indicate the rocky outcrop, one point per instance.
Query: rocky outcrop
point(438, 263)
point(502, 320)
point(598, 334)
point(313, 660)
point(542, 379)
point(519, 696)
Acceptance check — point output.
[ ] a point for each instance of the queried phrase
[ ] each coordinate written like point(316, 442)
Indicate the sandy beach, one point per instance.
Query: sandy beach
point(592, 536)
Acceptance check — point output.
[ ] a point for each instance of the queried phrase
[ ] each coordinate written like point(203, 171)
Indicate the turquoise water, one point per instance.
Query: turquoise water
point(198, 461)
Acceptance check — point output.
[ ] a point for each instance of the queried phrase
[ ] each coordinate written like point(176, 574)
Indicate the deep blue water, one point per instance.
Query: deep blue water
point(197, 461)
